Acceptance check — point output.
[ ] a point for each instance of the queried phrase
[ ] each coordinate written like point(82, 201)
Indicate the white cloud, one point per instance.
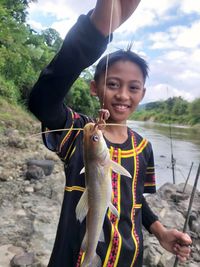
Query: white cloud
point(63, 26)
point(177, 36)
point(190, 6)
point(36, 25)
point(161, 40)
point(175, 57)
point(189, 36)
point(60, 9)
point(164, 91)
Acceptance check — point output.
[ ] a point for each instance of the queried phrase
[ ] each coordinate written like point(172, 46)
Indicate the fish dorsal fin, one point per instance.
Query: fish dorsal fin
point(119, 169)
point(82, 206)
point(113, 210)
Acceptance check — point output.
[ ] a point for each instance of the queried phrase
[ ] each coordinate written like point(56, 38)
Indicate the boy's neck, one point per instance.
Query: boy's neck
point(116, 133)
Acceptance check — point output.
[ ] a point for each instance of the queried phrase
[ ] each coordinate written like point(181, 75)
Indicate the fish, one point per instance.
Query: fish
point(97, 196)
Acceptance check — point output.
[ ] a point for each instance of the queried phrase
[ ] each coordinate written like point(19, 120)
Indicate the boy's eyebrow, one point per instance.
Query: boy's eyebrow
point(117, 78)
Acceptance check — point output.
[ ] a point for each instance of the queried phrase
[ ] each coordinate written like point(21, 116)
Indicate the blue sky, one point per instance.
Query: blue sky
point(166, 33)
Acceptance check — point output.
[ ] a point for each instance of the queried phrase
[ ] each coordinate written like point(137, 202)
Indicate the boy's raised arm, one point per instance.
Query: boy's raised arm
point(122, 10)
point(83, 45)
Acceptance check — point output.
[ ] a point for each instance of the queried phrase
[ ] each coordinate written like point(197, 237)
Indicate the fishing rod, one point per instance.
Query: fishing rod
point(188, 177)
point(189, 208)
point(173, 160)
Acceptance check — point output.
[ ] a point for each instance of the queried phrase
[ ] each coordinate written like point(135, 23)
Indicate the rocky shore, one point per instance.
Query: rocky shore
point(31, 192)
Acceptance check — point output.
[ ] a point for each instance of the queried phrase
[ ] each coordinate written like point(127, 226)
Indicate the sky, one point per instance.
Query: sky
point(165, 33)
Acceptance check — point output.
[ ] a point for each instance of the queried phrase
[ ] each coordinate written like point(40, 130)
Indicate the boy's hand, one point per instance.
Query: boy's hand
point(122, 10)
point(177, 243)
point(172, 240)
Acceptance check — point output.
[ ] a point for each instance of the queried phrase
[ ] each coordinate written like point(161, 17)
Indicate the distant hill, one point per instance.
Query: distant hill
point(172, 110)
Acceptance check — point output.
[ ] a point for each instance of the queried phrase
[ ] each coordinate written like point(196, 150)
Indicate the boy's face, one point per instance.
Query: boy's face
point(124, 90)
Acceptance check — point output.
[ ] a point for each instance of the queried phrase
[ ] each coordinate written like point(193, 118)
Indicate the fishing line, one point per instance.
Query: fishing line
point(107, 57)
point(72, 129)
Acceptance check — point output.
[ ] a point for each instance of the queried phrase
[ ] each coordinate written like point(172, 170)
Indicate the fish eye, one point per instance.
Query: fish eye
point(95, 138)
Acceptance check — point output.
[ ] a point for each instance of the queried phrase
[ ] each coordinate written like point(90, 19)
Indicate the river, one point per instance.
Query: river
point(184, 144)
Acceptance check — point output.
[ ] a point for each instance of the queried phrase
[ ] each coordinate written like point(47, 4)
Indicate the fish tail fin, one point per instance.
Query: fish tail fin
point(95, 262)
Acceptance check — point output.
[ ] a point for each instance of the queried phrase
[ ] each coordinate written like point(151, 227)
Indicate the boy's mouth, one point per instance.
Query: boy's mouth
point(121, 107)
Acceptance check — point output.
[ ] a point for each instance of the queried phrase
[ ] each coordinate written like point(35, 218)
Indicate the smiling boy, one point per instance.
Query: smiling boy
point(125, 88)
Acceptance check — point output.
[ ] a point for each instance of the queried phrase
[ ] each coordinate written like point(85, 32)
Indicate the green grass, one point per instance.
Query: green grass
point(15, 117)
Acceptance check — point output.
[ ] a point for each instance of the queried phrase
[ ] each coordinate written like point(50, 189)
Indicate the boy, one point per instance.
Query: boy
point(125, 80)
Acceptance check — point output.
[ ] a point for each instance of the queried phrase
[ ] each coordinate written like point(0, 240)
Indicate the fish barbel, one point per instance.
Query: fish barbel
point(96, 198)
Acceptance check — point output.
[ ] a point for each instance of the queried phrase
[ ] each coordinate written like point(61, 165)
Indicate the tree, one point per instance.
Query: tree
point(52, 38)
point(17, 8)
point(23, 52)
point(80, 100)
point(194, 109)
point(180, 106)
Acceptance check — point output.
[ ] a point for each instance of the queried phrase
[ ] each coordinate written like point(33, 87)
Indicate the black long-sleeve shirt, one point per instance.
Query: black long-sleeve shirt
point(83, 45)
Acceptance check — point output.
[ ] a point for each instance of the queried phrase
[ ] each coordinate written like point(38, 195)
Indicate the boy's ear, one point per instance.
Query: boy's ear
point(93, 88)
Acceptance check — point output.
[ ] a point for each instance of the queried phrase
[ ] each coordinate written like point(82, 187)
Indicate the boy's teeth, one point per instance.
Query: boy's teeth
point(121, 106)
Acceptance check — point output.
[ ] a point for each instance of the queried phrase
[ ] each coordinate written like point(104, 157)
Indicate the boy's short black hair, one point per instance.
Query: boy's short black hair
point(121, 55)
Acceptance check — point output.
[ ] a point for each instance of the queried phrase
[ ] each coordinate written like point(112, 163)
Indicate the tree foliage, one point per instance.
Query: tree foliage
point(174, 109)
point(23, 52)
point(80, 100)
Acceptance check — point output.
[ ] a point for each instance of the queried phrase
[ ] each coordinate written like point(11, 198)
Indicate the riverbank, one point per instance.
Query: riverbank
point(195, 127)
point(31, 193)
point(174, 110)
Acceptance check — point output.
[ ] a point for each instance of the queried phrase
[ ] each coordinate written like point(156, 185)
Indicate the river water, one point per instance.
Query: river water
point(184, 144)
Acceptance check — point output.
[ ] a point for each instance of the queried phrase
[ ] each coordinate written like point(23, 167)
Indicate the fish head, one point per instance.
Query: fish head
point(94, 142)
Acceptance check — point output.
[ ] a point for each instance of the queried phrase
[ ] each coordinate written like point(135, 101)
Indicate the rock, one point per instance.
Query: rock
point(23, 260)
point(7, 252)
point(38, 187)
point(34, 172)
point(29, 189)
point(4, 177)
point(192, 264)
point(21, 212)
point(46, 165)
point(30, 209)
point(196, 257)
point(177, 197)
point(17, 143)
point(172, 214)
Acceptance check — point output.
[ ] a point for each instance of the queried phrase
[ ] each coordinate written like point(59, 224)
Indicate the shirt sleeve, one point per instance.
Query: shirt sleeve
point(82, 46)
point(64, 142)
point(150, 183)
point(148, 217)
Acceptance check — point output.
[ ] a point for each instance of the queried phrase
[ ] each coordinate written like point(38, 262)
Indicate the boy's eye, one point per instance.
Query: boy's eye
point(134, 88)
point(113, 84)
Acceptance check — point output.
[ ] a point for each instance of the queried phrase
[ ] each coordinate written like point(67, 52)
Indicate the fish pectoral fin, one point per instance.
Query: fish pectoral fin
point(82, 206)
point(113, 210)
point(102, 237)
point(82, 171)
point(119, 169)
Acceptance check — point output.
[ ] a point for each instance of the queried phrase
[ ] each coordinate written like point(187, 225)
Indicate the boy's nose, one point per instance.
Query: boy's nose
point(122, 93)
